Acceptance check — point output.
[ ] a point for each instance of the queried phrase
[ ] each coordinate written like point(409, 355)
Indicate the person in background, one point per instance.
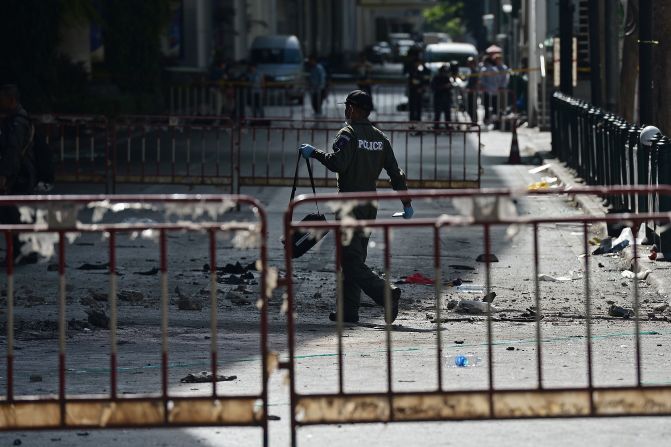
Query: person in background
point(419, 78)
point(502, 78)
point(316, 84)
point(362, 70)
point(472, 87)
point(441, 85)
point(17, 162)
point(255, 80)
point(489, 84)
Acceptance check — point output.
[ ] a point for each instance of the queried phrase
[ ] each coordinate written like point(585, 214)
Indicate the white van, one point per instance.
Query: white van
point(438, 54)
point(279, 59)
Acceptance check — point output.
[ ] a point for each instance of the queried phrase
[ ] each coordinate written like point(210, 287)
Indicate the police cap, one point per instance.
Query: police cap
point(360, 99)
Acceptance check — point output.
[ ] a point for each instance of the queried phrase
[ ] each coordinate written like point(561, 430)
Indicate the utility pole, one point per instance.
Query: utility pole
point(645, 45)
point(594, 52)
point(566, 42)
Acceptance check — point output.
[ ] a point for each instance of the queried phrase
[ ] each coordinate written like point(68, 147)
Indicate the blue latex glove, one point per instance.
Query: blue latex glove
point(408, 212)
point(306, 150)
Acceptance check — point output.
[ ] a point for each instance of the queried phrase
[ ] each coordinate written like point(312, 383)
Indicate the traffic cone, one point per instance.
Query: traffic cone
point(514, 157)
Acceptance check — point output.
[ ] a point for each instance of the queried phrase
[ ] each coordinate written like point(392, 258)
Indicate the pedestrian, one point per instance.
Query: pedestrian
point(255, 80)
point(490, 87)
point(316, 84)
point(223, 91)
point(360, 152)
point(362, 69)
point(17, 162)
point(419, 78)
point(441, 84)
point(472, 87)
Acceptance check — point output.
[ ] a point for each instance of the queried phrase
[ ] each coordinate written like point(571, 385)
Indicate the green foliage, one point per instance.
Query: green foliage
point(445, 17)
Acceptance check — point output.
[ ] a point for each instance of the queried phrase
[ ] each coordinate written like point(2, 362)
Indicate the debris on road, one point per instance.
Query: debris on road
point(205, 377)
point(489, 297)
point(132, 296)
point(452, 304)
point(640, 275)
point(471, 288)
point(35, 378)
point(98, 318)
point(150, 272)
point(473, 307)
point(87, 266)
point(620, 312)
point(418, 278)
point(236, 299)
point(572, 276)
point(461, 267)
point(187, 303)
point(484, 258)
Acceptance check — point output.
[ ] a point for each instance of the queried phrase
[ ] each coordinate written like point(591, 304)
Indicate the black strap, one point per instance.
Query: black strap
point(312, 180)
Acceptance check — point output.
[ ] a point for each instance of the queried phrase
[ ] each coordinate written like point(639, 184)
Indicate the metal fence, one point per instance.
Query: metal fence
point(604, 149)
point(56, 219)
point(327, 400)
point(209, 150)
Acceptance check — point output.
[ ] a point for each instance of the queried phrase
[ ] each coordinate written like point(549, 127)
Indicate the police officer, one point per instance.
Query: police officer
point(17, 169)
point(419, 78)
point(360, 151)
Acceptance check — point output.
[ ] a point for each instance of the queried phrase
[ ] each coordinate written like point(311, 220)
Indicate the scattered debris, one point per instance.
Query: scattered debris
point(236, 299)
point(489, 297)
point(35, 378)
point(473, 307)
point(452, 304)
point(510, 348)
point(98, 296)
point(458, 342)
point(572, 276)
point(132, 296)
point(620, 312)
point(640, 275)
point(484, 258)
point(272, 417)
point(418, 278)
point(187, 303)
point(88, 266)
point(539, 168)
point(98, 318)
point(150, 272)
point(461, 267)
point(316, 296)
point(471, 288)
point(661, 307)
point(205, 377)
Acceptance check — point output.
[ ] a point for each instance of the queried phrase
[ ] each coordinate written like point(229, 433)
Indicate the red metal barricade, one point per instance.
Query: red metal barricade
point(81, 146)
point(431, 158)
point(375, 392)
point(112, 402)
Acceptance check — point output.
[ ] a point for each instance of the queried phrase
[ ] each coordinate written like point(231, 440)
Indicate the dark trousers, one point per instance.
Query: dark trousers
point(415, 105)
point(257, 107)
point(491, 106)
point(317, 99)
point(441, 106)
point(357, 275)
point(472, 105)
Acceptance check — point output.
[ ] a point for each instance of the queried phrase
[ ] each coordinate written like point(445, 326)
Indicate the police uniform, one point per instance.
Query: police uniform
point(360, 152)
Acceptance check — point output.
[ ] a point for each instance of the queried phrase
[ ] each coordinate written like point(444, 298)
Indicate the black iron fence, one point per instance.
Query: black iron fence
point(606, 150)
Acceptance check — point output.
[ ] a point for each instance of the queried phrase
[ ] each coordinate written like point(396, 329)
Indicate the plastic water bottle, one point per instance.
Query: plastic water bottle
point(470, 288)
point(463, 360)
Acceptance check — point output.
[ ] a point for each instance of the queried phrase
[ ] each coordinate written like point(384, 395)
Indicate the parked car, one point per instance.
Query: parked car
point(280, 59)
point(439, 54)
point(379, 52)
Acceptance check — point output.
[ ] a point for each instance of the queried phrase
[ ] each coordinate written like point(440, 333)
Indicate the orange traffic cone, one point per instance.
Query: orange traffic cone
point(514, 157)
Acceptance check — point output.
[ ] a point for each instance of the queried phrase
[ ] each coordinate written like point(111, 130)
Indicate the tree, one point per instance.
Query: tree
point(445, 17)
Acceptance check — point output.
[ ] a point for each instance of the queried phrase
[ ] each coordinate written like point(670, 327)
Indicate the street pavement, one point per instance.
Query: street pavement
point(414, 335)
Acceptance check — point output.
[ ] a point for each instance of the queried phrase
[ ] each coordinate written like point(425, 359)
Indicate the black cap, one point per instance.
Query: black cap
point(360, 99)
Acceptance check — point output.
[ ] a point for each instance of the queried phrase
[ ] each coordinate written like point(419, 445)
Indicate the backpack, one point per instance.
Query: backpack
point(43, 160)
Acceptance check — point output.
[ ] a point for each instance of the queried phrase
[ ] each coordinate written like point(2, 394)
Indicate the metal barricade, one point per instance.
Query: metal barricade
point(80, 145)
point(174, 150)
point(431, 158)
point(109, 403)
point(374, 392)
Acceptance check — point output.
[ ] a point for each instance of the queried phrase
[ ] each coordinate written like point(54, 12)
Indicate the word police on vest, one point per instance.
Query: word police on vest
point(370, 145)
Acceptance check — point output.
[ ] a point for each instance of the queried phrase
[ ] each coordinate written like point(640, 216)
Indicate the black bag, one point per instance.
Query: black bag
point(304, 240)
